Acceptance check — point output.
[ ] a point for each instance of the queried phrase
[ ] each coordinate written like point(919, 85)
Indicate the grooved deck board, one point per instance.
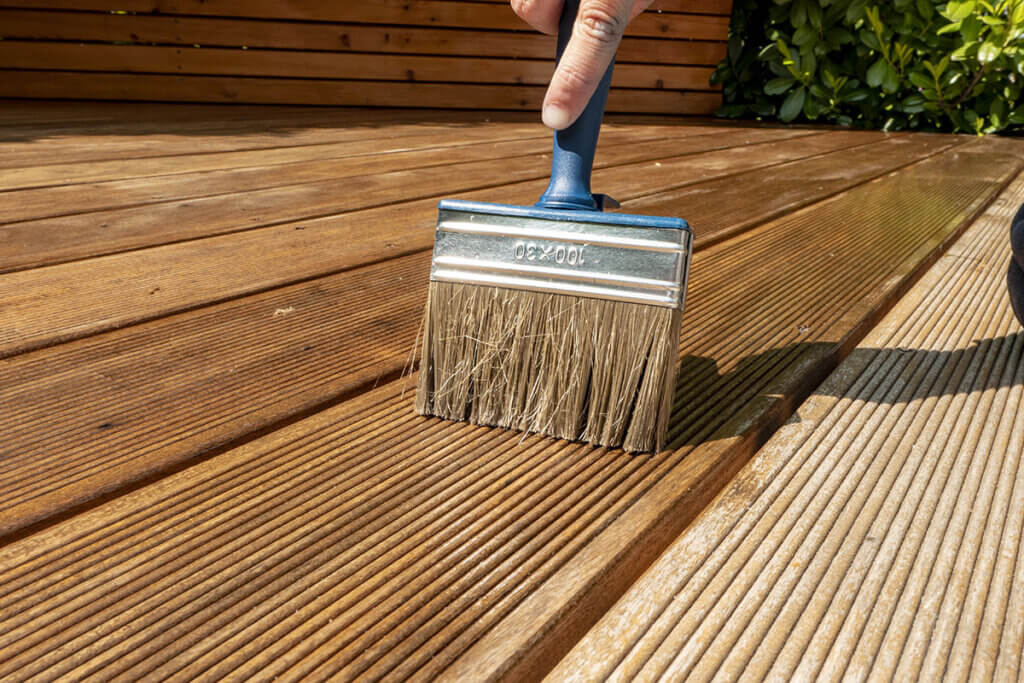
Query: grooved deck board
point(878, 534)
point(175, 277)
point(246, 197)
point(290, 350)
point(364, 540)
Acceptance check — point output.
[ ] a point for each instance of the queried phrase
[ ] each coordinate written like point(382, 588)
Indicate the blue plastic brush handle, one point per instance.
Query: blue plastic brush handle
point(573, 157)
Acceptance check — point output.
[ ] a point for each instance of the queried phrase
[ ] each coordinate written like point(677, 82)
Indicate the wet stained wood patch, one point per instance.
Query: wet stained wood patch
point(210, 461)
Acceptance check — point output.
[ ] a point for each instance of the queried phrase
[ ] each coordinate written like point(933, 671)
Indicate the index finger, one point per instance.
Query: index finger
point(596, 34)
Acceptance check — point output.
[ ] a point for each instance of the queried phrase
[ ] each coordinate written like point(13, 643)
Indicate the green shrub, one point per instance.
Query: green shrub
point(919, 64)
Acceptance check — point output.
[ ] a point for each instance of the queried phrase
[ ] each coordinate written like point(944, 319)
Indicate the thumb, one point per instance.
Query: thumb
point(596, 34)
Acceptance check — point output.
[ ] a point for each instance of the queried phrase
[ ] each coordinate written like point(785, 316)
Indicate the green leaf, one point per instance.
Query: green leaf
point(988, 52)
point(963, 52)
point(804, 35)
point(958, 9)
point(798, 13)
point(813, 108)
point(913, 104)
point(777, 86)
point(997, 113)
point(925, 9)
point(809, 63)
point(950, 28)
point(858, 95)
point(855, 11)
point(814, 14)
point(970, 29)
point(870, 39)
point(891, 79)
point(793, 104)
point(876, 74)
point(920, 80)
point(735, 47)
point(838, 36)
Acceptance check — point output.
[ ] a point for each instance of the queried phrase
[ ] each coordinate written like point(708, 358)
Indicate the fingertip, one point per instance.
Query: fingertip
point(555, 116)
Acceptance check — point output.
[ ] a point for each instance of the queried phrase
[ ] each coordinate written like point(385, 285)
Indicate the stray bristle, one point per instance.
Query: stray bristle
point(570, 367)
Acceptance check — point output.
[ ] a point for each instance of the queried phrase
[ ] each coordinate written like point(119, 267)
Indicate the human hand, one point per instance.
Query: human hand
point(595, 38)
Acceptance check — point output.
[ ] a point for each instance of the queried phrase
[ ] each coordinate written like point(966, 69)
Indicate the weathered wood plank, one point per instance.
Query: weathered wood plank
point(346, 38)
point(118, 86)
point(175, 277)
point(435, 151)
point(295, 555)
point(76, 173)
point(31, 147)
point(877, 535)
point(165, 209)
point(327, 65)
point(423, 13)
point(199, 354)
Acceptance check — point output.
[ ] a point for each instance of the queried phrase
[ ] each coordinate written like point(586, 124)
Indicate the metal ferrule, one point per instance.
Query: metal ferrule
point(597, 259)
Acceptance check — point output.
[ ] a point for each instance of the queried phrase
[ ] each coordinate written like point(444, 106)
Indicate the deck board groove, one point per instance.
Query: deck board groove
point(233, 200)
point(364, 540)
point(875, 536)
point(195, 273)
point(215, 470)
point(245, 349)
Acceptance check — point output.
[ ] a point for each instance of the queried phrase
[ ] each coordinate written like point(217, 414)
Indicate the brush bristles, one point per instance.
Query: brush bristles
point(570, 367)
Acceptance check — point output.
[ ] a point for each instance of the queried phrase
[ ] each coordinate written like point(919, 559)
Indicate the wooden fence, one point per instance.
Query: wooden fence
point(392, 53)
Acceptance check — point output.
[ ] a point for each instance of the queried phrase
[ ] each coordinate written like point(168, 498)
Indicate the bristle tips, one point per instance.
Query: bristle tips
point(573, 368)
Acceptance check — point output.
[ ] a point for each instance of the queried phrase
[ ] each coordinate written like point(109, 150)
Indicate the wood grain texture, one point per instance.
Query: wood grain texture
point(109, 216)
point(288, 341)
point(34, 146)
point(170, 88)
point(343, 38)
point(367, 541)
point(425, 12)
point(878, 534)
point(328, 65)
point(330, 235)
point(431, 53)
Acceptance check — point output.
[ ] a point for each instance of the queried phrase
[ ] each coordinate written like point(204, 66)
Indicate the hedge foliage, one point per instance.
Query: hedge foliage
point(919, 64)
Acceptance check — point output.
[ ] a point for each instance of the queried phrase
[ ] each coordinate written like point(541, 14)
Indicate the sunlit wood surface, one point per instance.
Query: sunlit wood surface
point(210, 461)
point(877, 536)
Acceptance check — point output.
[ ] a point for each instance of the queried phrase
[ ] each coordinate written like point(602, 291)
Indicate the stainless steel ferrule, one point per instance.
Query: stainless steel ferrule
point(632, 263)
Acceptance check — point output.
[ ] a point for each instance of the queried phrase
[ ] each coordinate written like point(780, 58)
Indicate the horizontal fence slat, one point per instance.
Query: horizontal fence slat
point(693, 6)
point(166, 88)
point(305, 52)
point(419, 13)
point(174, 60)
point(211, 31)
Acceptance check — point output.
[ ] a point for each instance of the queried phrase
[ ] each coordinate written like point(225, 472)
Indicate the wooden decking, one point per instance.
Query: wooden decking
point(210, 461)
point(878, 534)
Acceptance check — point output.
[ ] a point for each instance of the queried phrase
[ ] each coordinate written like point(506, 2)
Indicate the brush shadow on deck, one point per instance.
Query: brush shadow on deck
point(211, 462)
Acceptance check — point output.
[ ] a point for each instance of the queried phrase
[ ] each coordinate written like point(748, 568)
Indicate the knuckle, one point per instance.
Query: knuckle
point(572, 76)
point(600, 24)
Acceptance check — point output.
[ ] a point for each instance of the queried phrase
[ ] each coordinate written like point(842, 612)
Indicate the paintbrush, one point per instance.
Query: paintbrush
point(556, 318)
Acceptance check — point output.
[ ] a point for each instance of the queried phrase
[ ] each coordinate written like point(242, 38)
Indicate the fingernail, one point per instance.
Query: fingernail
point(555, 116)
